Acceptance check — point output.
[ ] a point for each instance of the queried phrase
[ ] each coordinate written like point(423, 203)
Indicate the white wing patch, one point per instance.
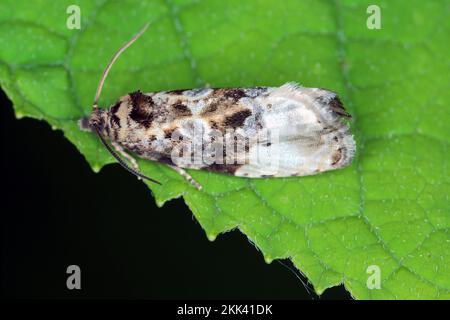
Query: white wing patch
point(308, 136)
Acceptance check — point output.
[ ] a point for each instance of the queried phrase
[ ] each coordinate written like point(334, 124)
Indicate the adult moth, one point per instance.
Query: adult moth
point(247, 132)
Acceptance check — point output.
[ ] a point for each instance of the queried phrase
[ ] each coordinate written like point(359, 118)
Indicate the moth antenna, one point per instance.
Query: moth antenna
point(113, 60)
point(120, 160)
point(97, 96)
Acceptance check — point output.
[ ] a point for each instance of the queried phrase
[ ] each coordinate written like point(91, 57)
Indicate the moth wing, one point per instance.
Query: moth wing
point(298, 155)
point(307, 134)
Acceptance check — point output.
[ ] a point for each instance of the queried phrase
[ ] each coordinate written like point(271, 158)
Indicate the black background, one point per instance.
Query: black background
point(57, 212)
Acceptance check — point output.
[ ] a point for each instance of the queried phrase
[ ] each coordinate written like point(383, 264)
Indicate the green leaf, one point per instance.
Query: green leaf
point(390, 208)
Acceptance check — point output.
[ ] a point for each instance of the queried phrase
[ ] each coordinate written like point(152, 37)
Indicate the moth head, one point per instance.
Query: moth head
point(97, 121)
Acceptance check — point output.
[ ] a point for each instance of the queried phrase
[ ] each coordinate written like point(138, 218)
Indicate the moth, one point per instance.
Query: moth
point(256, 132)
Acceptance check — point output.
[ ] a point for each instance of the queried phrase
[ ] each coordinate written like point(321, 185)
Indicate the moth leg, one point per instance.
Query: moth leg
point(187, 176)
point(124, 154)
